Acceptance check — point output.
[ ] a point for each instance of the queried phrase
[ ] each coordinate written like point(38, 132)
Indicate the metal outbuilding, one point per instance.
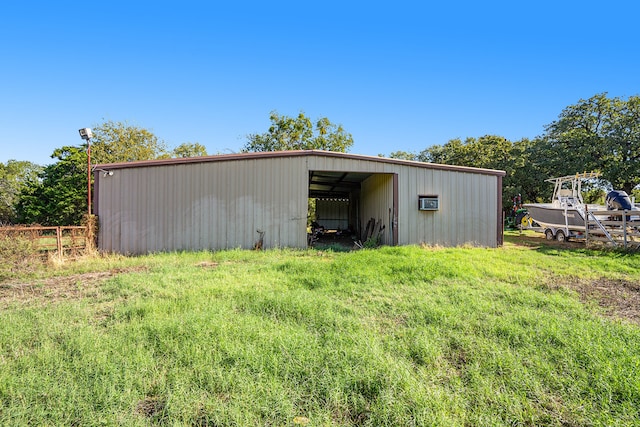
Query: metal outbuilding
point(220, 202)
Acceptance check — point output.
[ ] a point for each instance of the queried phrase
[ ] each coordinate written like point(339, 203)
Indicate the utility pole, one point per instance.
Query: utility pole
point(85, 133)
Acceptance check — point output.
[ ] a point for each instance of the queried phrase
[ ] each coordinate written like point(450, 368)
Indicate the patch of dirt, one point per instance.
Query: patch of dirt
point(533, 240)
point(151, 406)
point(55, 289)
point(332, 240)
point(619, 299)
point(207, 264)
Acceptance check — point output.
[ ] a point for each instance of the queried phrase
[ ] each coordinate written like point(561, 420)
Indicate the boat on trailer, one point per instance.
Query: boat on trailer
point(564, 217)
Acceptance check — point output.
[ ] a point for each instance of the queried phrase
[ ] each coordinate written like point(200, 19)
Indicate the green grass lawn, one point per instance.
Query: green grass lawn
point(397, 336)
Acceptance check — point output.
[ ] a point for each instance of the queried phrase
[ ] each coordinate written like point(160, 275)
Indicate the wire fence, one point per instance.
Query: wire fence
point(66, 240)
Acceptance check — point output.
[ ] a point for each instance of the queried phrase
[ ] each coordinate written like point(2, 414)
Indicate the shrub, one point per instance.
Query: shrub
point(19, 254)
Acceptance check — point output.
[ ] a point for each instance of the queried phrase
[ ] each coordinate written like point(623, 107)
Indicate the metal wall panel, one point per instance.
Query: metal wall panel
point(220, 203)
point(333, 214)
point(377, 203)
point(196, 206)
point(467, 213)
point(468, 204)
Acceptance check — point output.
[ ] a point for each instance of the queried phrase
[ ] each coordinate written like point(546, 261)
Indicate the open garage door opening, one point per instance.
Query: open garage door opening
point(352, 209)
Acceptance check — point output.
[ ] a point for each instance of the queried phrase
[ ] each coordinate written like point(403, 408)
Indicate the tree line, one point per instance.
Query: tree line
point(56, 194)
point(597, 134)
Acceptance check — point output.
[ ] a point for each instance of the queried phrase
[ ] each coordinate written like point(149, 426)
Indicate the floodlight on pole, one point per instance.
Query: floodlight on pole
point(86, 134)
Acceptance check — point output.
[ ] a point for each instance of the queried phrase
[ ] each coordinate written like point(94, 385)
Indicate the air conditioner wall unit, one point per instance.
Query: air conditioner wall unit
point(428, 203)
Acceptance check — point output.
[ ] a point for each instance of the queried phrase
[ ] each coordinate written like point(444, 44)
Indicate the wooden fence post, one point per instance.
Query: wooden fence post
point(624, 228)
point(59, 240)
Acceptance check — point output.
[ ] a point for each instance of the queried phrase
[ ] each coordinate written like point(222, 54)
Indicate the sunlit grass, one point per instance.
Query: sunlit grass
point(395, 336)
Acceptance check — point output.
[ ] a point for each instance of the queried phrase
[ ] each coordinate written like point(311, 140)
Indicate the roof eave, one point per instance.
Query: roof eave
point(294, 153)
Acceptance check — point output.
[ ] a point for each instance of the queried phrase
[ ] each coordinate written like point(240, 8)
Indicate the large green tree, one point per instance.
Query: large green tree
point(489, 152)
point(59, 196)
point(115, 142)
point(300, 133)
point(189, 149)
point(403, 155)
point(14, 176)
point(599, 133)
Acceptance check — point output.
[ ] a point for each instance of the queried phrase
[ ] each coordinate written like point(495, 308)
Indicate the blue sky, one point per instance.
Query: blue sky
point(400, 75)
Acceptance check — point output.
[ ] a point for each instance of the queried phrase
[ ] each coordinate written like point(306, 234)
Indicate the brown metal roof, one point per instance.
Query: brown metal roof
point(296, 153)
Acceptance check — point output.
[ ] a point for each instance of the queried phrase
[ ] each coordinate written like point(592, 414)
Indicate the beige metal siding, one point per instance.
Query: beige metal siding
point(212, 205)
point(467, 212)
point(468, 201)
point(220, 202)
point(333, 214)
point(377, 203)
point(319, 163)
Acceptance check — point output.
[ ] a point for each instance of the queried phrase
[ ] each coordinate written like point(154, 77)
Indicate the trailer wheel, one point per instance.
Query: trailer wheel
point(560, 236)
point(548, 233)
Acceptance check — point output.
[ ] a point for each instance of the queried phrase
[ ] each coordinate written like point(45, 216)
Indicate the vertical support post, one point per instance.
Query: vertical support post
point(394, 220)
point(624, 228)
point(586, 225)
point(89, 177)
point(499, 213)
point(59, 240)
point(86, 134)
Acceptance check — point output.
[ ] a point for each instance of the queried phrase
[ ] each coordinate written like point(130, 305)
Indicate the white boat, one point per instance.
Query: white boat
point(564, 217)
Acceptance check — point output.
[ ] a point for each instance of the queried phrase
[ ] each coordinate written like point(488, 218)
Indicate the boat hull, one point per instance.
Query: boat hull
point(548, 216)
